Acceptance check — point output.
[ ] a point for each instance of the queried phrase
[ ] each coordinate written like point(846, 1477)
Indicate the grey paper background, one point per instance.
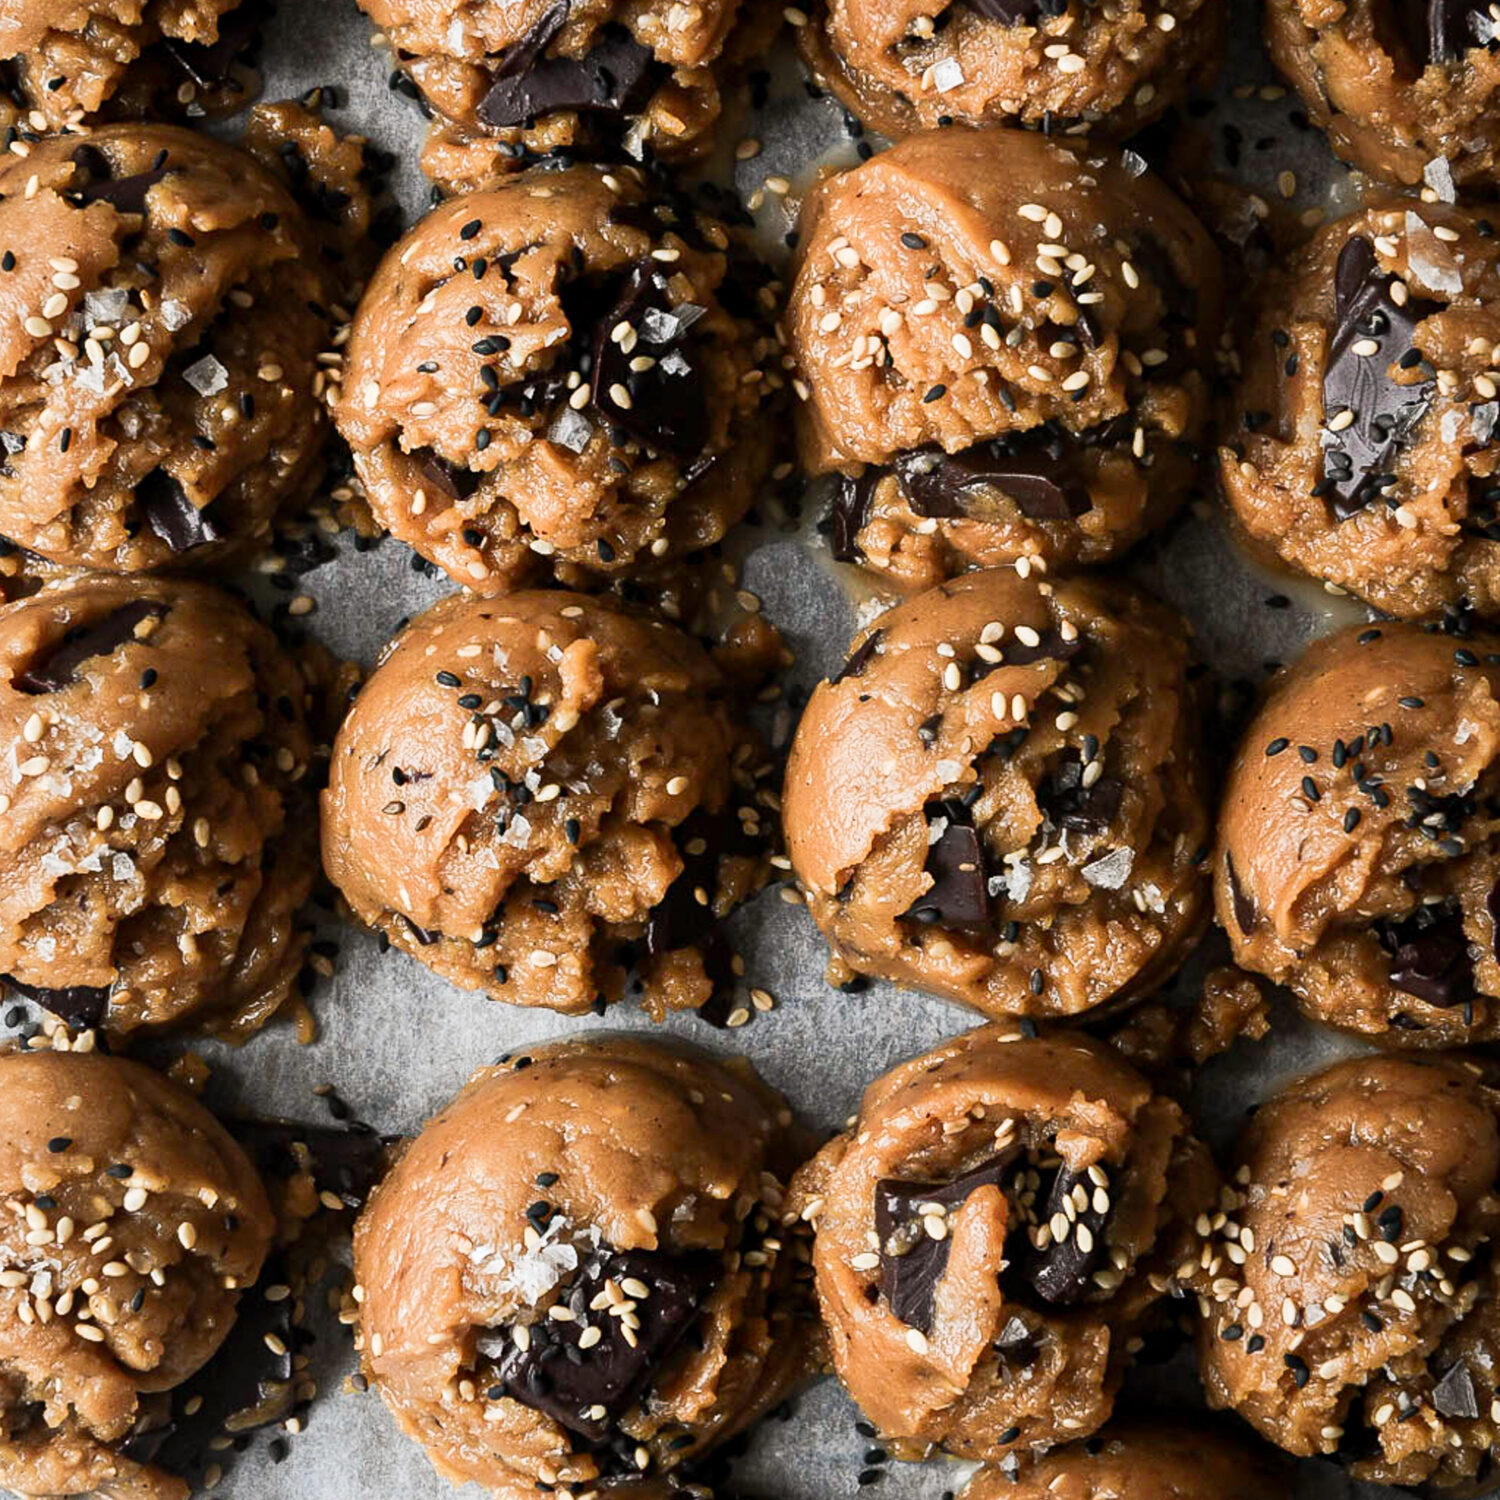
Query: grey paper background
point(397, 1042)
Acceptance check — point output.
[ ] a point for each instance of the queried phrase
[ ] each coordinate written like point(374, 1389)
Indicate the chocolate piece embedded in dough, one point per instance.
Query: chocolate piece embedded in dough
point(952, 369)
point(1356, 862)
point(998, 799)
point(599, 1229)
point(991, 1231)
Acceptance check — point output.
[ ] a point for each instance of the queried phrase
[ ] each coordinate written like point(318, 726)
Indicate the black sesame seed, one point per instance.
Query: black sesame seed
point(1277, 746)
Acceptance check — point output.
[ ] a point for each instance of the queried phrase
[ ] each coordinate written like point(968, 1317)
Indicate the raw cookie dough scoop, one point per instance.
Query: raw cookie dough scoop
point(156, 827)
point(534, 794)
point(1363, 448)
point(1068, 67)
point(1409, 93)
point(506, 83)
point(1353, 1310)
point(567, 370)
point(999, 800)
point(130, 1222)
point(577, 1273)
point(163, 306)
point(992, 1232)
point(1358, 858)
point(70, 62)
point(1000, 343)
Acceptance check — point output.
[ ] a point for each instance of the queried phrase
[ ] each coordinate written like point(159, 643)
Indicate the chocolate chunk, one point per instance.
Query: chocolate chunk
point(1246, 918)
point(849, 512)
point(911, 1261)
point(615, 77)
point(1454, 1394)
point(1050, 646)
point(860, 658)
point(1429, 955)
point(1357, 462)
point(80, 1006)
point(1038, 470)
point(1064, 1271)
point(80, 644)
point(680, 919)
point(1451, 30)
point(171, 514)
point(1007, 12)
point(209, 64)
point(343, 1159)
point(245, 1386)
point(667, 405)
point(959, 896)
point(126, 194)
point(453, 480)
point(1068, 803)
point(1016, 1344)
point(586, 1390)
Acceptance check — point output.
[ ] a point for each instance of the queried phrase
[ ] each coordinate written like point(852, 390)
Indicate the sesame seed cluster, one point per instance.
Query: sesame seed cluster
point(164, 307)
point(1369, 392)
point(1031, 832)
point(1106, 69)
point(155, 833)
point(1357, 858)
point(566, 371)
point(1028, 1285)
point(585, 1205)
point(1000, 342)
point(130, 1223)
point(1346, 1275)
point(536, 794)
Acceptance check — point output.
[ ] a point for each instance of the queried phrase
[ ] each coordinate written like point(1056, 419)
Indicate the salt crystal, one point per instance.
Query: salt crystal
point(1438, 175)
point(947, 75)
point(1110, 871)
point(1429, 259)
point(571, 430)
point(206, 376)
point(175, 314)
point(106, 306)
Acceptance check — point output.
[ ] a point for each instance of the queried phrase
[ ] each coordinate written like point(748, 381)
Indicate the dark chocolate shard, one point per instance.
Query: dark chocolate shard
point(912, 1262)
point(1454, 1394)
point(680, 919)
point(1451, 30)
point(127, 195)
point(959, 896)
point(80, 1006)
point(665, 406)
point(103, 638)
point(1068, 803)
point(247, 1385)
point(615, 77)
point(1429, 955)
point(1063, 1272)
point(860, 657)
point(343, 1159)
point(1246, 918)
point(171, 514)
point(1050, 646)
point(1007, 12)
point(849, 512)
point(1037, 470)
point(211, 64)
point(453, 480)
point(1357, 461)
point(587, 1390)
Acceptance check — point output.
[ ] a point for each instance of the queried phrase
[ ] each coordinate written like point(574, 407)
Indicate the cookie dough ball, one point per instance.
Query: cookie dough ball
point(1407, 93)
point(1352, 1310)
point(72, 61)
point(1000, 341)
point(992, 1231)
point(999, 799)
point(1364, 452)
point(533, 794)
point(567, 367)
point(506, 83)
point(1140, 1460)
point(130, 1222)
point(1357, 859)
point(156, 831)
point(577, 1271)
point(163, 308)
point(1064, 66)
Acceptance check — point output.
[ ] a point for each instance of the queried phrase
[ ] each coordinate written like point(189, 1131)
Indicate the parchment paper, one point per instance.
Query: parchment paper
point(397, 1041)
